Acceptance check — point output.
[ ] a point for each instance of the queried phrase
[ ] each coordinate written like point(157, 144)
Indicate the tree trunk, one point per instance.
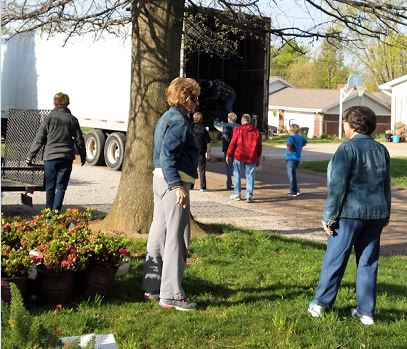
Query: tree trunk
point(156, 43)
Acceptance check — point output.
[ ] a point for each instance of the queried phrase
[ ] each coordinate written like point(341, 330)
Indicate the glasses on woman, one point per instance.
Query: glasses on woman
point(193, 98)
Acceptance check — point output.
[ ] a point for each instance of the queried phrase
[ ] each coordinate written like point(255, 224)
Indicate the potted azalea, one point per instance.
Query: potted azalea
point(15, 260)
point(54, 240)
point(105, 254)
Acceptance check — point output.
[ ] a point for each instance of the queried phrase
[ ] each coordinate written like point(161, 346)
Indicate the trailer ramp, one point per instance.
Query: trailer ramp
point(16, 175)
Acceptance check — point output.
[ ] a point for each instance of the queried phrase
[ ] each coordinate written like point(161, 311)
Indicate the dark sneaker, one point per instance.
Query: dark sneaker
point(179, 304)
point(364, 319)
point(249, 200)
point(151, 296)
point(293, 195)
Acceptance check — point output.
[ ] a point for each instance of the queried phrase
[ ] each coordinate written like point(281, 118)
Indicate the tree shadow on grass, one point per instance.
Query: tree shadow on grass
point(222, 296)
point(383, 288)
point(381, 315)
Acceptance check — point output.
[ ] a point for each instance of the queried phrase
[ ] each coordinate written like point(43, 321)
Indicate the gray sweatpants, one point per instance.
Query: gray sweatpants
point(167, 244)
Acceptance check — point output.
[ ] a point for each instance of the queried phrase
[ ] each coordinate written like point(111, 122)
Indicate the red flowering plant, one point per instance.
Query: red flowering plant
point(58, 241)
point(54, 239)
point(106, 251)
point(15, 260)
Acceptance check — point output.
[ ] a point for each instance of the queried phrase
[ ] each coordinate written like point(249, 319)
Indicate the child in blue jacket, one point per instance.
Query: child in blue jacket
point(295, 143)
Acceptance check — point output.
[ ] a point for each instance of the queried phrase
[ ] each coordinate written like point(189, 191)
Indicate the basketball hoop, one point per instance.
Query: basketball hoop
point(361, 90)
point(355, 81)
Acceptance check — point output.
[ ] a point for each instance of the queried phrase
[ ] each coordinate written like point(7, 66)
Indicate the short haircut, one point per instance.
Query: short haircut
point(247, 117)
point(197, 116)
point(61, 100)
point(361, 119)
point(180, 90)
point(232, 116)
point(294, 128)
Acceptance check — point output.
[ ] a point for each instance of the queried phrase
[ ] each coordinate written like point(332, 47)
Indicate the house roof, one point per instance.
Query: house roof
point(390, 84)
point(276, 84)
point(315, 100)
point(274, 79)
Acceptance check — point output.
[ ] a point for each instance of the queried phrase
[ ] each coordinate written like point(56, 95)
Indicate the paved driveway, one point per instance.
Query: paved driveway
point(272, 209)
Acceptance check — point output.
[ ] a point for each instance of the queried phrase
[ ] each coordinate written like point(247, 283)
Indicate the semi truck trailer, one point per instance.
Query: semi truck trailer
point(95, 73)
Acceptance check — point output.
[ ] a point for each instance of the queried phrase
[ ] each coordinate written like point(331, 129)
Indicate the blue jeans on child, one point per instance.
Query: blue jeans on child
point(250, 170)
point(57, 173)
point(292, 175)
point(364, 235)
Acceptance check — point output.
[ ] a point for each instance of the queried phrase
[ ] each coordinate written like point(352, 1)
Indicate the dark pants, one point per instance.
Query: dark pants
point(229, 171)
point(202, 170)
point(229, 102)
point(57, 173)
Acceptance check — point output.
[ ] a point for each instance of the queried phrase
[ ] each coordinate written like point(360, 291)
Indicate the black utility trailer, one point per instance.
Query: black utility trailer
point(16, 175)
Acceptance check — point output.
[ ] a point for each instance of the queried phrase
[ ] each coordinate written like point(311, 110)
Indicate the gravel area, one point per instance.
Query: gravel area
point(271, 210)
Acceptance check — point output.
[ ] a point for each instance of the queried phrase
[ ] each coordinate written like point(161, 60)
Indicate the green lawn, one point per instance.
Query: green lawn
point(253, 289)
point(398, 170)
point(277, 140)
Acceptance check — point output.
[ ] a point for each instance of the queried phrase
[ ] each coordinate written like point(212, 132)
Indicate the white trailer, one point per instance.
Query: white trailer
point(95, 75)
point(96, 72)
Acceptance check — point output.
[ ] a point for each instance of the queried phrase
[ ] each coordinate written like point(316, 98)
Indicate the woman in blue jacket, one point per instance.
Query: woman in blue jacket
point(175, 160)
point(356, 210)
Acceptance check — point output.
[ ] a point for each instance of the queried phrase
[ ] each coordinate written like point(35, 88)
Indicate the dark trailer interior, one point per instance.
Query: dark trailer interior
point(247, 72)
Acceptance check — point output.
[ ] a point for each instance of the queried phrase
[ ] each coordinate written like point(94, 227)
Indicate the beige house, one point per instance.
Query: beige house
point(318, 109)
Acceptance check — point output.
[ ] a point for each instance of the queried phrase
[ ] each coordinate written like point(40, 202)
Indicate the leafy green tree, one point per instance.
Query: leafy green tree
point(303, 73)
point(382, 61)
point(282, 57)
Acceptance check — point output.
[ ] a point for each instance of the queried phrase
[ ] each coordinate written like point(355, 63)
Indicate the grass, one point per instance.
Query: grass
point(277, 140)
point(85, 130)
point(398, 170)
point(252, 289)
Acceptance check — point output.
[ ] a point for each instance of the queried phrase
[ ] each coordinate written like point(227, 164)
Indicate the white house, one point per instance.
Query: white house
point(397, 89)
point(318, 109)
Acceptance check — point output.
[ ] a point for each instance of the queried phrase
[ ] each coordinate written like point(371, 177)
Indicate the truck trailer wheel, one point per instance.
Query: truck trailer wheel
point(95, 144)
point(114, 150)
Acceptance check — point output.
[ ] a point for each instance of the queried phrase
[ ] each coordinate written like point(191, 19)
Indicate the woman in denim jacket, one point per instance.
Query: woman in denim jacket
point(175, 161)
point(356, 210)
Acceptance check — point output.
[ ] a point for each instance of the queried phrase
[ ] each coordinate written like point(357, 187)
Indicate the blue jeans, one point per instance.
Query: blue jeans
point(57, 173)
point(364, 235)
point(250, 169)
point(229, 172)
point(229, 102)
point(292, 175)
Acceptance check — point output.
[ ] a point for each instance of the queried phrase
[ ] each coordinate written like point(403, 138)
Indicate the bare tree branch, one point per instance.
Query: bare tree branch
point(375, 19)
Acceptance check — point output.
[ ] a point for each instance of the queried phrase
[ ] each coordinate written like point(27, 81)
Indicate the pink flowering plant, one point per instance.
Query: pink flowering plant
point(54, 239)
point(57, 241)
point(107, 251)
point(15, 260)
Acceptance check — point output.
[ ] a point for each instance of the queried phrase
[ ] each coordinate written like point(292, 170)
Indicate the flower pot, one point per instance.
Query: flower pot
point(396, 139)
point(20, 282)
point(54, 287)
point(97, 280)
